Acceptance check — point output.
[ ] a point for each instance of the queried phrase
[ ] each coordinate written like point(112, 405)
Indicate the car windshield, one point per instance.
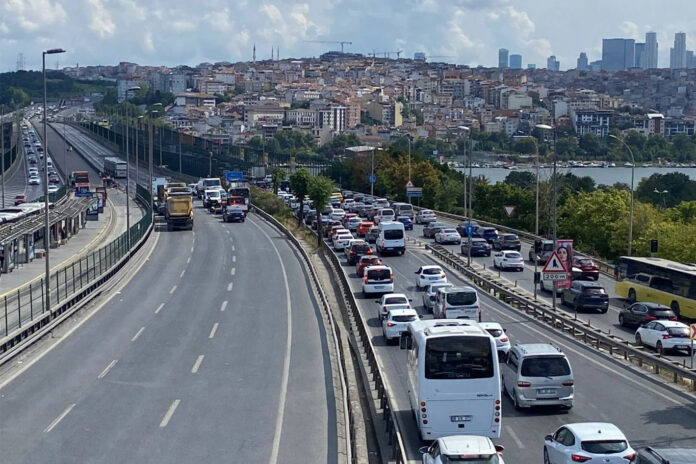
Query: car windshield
point(432, 271)
point(458, 357)
point(395, 300)
point(393, 234)
point(678, 332)
point(604, 446)
point(461, 298)
point(378, 274)
point(407, 318)
point(548, 366)
point(361, 248)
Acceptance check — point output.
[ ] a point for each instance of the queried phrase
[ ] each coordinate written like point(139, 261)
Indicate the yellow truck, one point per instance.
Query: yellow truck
point(178, 211)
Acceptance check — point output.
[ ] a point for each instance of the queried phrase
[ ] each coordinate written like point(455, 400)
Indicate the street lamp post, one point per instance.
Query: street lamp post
point(134, 88)
point(536, 212)
point(662, 194)
point(47, 227)
point(2, 150)
point(630, 209)
point(372, 175)
point(470, 186)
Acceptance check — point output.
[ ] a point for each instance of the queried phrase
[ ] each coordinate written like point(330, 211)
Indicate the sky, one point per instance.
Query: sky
point(173, 32)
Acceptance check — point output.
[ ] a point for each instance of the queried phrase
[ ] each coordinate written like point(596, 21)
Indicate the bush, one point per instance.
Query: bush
point(270, 203)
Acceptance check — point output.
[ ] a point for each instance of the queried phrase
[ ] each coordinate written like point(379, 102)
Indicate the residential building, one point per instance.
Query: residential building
point(419, 56)
point(195, 99)
point(388, 113)
point(553, 64)
point(591, 122)
point(531, 66)
point(677, 126)
point(503, 58)
point(618, 54)
point(596, 66)
point(582, 62)
point(515, 61)
point(678, 52)
point(650, 61)
point(332, 117)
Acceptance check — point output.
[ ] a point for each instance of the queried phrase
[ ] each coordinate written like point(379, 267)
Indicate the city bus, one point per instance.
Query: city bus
point(115, 167)
point(657, 280)
point(453, 378)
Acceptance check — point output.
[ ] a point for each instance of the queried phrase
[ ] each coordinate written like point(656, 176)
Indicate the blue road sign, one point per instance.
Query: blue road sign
point(372, 179)
point(414, 192)
point(469, 231)
point(84, 193)
point(234, 175)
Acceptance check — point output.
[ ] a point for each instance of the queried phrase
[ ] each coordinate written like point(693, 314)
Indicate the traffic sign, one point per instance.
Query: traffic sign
point(509, 210)
point(414, 192)
point(409, 184)
point(692, 332)
point(554, 269)
point(372, 178)
point(231, 176)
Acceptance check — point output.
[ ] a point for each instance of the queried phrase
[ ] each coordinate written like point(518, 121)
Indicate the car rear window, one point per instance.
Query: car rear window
point(604, 446)
point(513, 255)
point(432, 271)
point(509, 237)
point(361, 248)
point(387, 212)
point(678, 332)
point(547, 366)
point(395, 300)
point(403, 318)
point(393, 234)
point(495, 332)
point(585, 261)
point(593, 291)
point(378, 274)
point(661, 312)
point(449, 231)
point(461, 298)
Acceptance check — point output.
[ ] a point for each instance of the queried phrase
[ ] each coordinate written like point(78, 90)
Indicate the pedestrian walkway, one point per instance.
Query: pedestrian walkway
point(94, 235)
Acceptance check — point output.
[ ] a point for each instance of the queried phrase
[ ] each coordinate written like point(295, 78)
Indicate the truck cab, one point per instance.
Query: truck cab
point(235, 210)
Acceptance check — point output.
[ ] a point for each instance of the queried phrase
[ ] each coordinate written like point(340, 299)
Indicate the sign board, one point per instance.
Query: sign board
point(554, 269)
point(231, 176)
point(564, 251)
point(409, 184)
point(414, 192)
point(692, 331)
point(84, 193)
point(509, 210)
point(372, 179)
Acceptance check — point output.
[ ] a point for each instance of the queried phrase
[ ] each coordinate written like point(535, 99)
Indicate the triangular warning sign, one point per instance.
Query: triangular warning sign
point(509, 210)
point(554, 264)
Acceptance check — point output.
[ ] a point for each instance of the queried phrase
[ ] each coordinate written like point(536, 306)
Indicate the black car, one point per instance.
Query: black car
point(357, 250)
point(462, 227)
point(479, 247)
point(429, 230)
point(507, 242)
point(309, 217)
point(586, 295)
point(640, 313)
point(652, 455)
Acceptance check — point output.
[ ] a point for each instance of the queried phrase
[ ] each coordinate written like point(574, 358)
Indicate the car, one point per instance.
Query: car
point(406, 221)
point(19, 199)
point(366, 261)
point(372, 235)
point(34, 180)
point(588, 442)
point(357, 249)
point(507, 259)
point(391, 239)
point(538, 374)
point(487, 233)
point(502, 341)
point(479, 247)
point(337, 214)
point(346, 217)
point(396, 322)
point(327, 225)
point(463, 226)
point(392, 301)
point(428, 275)
point(384, 215)
point(654, 455)
point(353, 223)
point(425, 216)
point(53, 188)
point(377, 279)
point(507, 242)
point(430, 229)
point(211, 198)
point(473, 449)
point(363, 228)
point(641, 313)
point(349, 243)
point(664, 336)
point(33, 171)
point(448, 236)
point(336, 229)
point(430, 295)
point(310, 216)
point(585, 295)
point(544, 251)
point(341, 239)
point(53, 179)
point(589, 269)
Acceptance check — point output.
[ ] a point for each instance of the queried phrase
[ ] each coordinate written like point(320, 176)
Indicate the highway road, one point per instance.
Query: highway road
point(214, 352)
point(647, 411)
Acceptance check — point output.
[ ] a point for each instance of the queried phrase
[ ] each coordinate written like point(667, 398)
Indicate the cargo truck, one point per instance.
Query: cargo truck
point(235, 210)
point(179, 208)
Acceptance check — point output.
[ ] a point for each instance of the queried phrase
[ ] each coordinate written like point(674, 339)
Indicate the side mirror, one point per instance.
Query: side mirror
point(423, 449)
point(421, 316)
point(410, 299)
point(499, 449)
point(548, 438)
point(377, 301)
point(416, 272)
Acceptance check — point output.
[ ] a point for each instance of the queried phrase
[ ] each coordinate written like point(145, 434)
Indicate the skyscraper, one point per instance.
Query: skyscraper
point(640, 55)
point(515, 61)
point(582, 62)
point(678, 54)
point(618, 54)
point(650, 61)
point(553, 64)
point(503, 58)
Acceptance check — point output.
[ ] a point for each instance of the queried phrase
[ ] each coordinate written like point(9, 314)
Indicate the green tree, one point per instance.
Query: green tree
point(522, 179)
point(679, 188)
point(277, 176)
point(320, 190)
point(591, 145)
point(299, 183)
point(525, 146)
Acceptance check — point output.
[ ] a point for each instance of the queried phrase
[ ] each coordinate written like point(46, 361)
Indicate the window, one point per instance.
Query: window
point(403, 318)
point(495, 332)
point(395, 300)
point(461, 298)
point(458, 357)
point(547, 366)
point(565, 437)
point(393, 234)
point(432, 271)
point(604, 447)
point(378, 274)
point(678, 332)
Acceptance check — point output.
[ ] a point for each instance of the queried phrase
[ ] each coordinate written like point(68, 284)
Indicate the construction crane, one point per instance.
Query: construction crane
point(342, 42)
point(388, 54)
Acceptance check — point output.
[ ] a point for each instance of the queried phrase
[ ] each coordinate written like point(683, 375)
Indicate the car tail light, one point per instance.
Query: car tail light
point(369, 251)
point(649, 318)
point(568, 383)
point(630, 456)
point(504, 340)
point(365, 279)
point(390, 324)
point(666, 336)
point(524, 384)
point(579, 458)
point(391, 277)
point(672, 318)
point(422, 276)
point(444, 276)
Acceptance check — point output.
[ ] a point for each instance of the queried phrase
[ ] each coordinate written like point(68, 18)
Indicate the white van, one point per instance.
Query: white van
point(384, 215)
point(403, 209)
point(392, 238)
point(457, 303)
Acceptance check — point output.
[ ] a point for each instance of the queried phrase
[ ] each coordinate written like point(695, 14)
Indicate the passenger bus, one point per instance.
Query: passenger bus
point(657, 280)
point(453, 378)
point(115, 167)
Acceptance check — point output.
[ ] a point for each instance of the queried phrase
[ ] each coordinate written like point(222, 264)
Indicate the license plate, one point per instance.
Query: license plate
point(682, 347)
point(433, 278)
point(546, 391)
point(378, 287)
point(460, 418)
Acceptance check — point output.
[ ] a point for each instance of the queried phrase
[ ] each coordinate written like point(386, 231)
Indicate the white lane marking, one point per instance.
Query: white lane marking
point(182, 273)
point(227, 231)
point(234, 259)
point(170, 412)
point(233, 271)
point(286, 364)
point(159, 308)
point(232, 247)
point(520, 443)
point(213, 330)
point(135, 337)
point(172, 290)
point(191, 249)
point(223, 306)
point(229, 286)
point(188, 260)
point(107, 369)
point(59, 418)
point(197, 364)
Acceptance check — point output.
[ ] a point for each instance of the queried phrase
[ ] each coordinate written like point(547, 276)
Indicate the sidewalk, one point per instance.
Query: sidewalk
point(94, 235)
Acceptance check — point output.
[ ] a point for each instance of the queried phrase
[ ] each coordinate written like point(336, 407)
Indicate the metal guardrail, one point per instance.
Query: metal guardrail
point(580, 331)
point(349, 445)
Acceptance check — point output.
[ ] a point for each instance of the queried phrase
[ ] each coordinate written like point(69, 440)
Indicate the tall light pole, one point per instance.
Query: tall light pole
point(468, 131)
point(47, 227)
point(134, 88)
point(630, 208)
point(543, 127)
point(372, 174)
point(2, 150)
point(662, 194)
point(470, 186)
point(553, 182)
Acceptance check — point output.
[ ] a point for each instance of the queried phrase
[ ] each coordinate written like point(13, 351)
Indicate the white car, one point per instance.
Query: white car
point(34, 180)
point(52, 188)
point(462, 448)
point(353, 223)
point(377, 279)
point(664, 336)
point(341, 240)
point(448, 236)
point(337, 214)
point(428, 275)
point(425, 216)
point(392, 301)
point(33, 171)
point(396, 322)
point(430, 295)
point(508, 260)
point(588, 442)
point(502, 341)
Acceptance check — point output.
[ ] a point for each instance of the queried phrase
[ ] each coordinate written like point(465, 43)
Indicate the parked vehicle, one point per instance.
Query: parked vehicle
point(507, 242)
point(586, 295)
point(665, 336)
point(504, 260)
point(589, 269)
point(588, 442)
point(638, 314)
point(479, 247)
point(431, 228)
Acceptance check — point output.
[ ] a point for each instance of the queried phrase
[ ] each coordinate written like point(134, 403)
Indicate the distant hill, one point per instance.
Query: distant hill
point(22, 87)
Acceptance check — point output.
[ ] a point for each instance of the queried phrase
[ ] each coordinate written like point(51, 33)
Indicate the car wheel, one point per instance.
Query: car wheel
point(660, 349)
point(639, 341)
point(675, 309)
point(546, 456)
point(632, 296)
point(622, 322)
point(514, 400)
point(604, 310)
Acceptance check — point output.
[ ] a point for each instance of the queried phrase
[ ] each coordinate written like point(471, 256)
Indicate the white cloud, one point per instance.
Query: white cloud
point(101, 21)
point(31, 15)
point(630, 30)
point(148, 43)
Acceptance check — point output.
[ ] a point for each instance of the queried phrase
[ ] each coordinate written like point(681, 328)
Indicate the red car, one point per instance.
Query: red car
point(364, 227)
point(588, 267)
point(365, 261)
point(19, 199)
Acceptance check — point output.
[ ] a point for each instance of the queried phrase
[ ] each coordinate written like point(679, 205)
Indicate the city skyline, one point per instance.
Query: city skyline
point(464, 31)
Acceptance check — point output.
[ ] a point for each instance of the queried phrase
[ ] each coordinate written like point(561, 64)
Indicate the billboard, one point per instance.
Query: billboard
point(564, 250)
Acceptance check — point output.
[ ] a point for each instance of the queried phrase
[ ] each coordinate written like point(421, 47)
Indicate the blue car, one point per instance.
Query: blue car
point(487, 233)
point(406, 221)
